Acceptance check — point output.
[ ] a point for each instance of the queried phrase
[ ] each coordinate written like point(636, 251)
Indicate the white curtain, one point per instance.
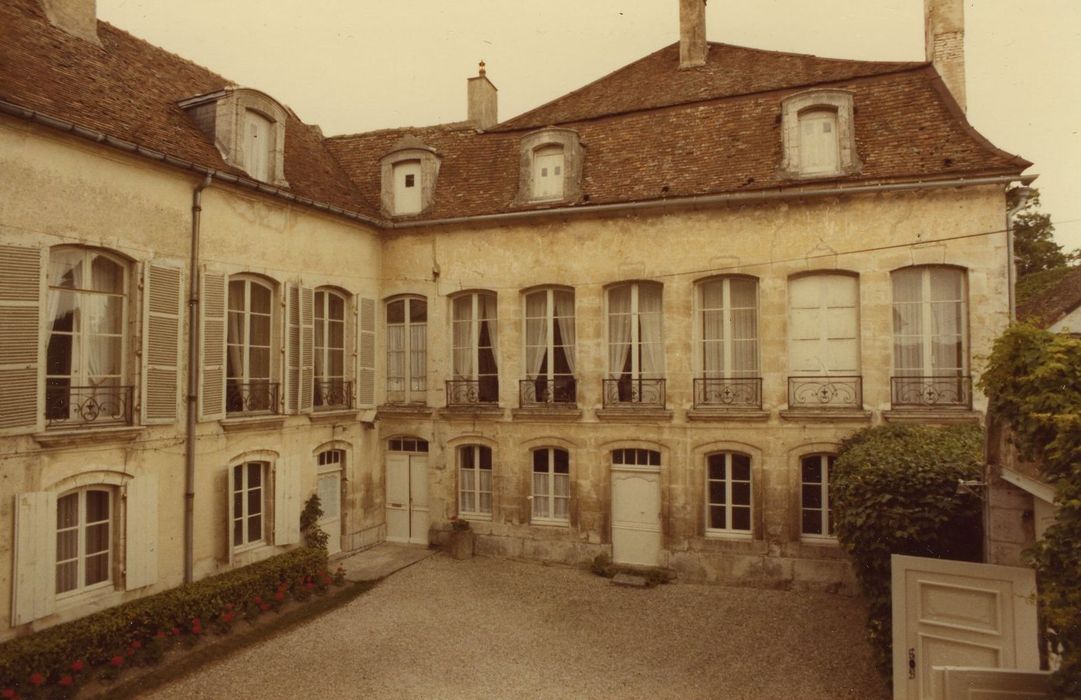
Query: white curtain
point(947, 320)
point(649, 324)
point(908, 321)
point(713, 328)
point(236, 346)
point(418, 361)
point(395, 358)
point(540, 495)
point(744, 302)
point(463, 337)
point(536, 333)
point(619, 329)
point(561, 490)
point(564, 312)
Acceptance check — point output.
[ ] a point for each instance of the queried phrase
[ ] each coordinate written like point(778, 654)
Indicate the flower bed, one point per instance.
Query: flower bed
point(56, 662)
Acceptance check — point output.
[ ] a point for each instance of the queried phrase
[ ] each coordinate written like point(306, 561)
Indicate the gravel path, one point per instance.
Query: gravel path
point(488, 628)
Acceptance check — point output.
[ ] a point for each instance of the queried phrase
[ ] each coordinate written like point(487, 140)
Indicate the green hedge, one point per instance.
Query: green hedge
point(894, 491)
point(98, 639)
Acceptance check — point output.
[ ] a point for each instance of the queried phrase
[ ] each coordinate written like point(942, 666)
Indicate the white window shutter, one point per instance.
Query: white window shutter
point(162, 311)
point(286, 503)
point(141, 519)
point(212, 384)
point(34, 584)
point(292, 350)
point(20, 310)
point(350, 356)
point(366, 371)
point(307, 348)
point(230, 486)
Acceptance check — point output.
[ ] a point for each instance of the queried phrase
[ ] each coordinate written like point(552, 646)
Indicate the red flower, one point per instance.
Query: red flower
point(257, 600)
point(36, 678)
point(77, 665)
point(7, 693)
point(264, 607)
point(309, 585)
point(136, 644)
point(160, 635)
point(279, 596)
point(176, 631)
point(66, 680)
point(195, 622)
point(196, 629)
point(117, 661)
point(227, 616)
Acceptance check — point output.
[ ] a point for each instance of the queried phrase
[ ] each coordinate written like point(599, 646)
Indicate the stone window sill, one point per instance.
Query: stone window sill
point(718, 415)
point(394, 410)
point(826, 415)
point(270, 422)
point(88, 436)
point(633, 414)
point(938, 414)
point(489, 412)
point(333, 415)
point(554, 412)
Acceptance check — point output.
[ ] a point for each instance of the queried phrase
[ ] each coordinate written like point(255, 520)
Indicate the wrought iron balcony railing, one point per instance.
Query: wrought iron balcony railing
point(931, 391)
point(626, 391)
point(472, 392)
point(825, 392)
point(71, 406)
point(740, 392)
point(333, 393)
point(544, 392)
point(251, 397)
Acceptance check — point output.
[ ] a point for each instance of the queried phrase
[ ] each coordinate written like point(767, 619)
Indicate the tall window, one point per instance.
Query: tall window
point(249, 498)
point(407, 350)
point(728, 328)
point(330, 387)
point(258, 143)
point(476, 377)
point(84, 535)
point(407, 187)
point(549, 346)
point(474, 480)
point(815, 506)
point(548, 173)
point(635, 343)
point(248, 386)
point(87, 318)
point(551, 485)
point(824, 344)
point(728, 493)
point(818, 144)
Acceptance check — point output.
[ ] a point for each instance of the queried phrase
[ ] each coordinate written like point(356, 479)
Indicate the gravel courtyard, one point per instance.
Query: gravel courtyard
point(488, 628)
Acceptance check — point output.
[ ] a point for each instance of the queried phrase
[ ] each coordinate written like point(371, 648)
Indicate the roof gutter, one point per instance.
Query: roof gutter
point(219, 175)
point(722, 199)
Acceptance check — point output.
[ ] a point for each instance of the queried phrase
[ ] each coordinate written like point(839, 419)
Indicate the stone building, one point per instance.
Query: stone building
point(634, 321)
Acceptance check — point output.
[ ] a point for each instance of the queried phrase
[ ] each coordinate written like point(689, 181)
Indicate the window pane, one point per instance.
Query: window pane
point(540, 460)
point(741, 518)
point(812, 522)
point(485, 457)
point(236, 295)
point(67, 511)
point(812, 496)
point(97, 506)
point(65, 267)
point(255, 528)
point(418, 310)
point(106, 275)
point(716, 466)
point(741, 467)
point(716, 492)
point(396, 311)
point(67, 545)
point(716, 517)
point(562, 461)
point(260, 298)
point(741, 493)
point(97, 538)
point(812, 469)
point(255, 474)
point(67, 576)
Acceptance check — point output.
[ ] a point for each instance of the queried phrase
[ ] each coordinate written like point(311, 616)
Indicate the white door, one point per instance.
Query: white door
point(407, 498)
point(329, 488)
point(955, 613)
point(636, 515)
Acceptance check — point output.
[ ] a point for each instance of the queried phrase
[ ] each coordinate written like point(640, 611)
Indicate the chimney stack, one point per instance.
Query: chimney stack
point(692, 33)
point(76, 17)
point(483, 107)
point(944, 37)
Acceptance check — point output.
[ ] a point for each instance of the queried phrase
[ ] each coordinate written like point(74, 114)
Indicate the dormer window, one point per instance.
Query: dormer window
point(819, 134)
point(258, 144)
point(407, 199)
point(409, 174)
point(551, 167)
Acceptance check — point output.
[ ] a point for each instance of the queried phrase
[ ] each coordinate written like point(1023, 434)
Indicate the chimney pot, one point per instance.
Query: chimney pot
point(76, 17)
point(692, 33)
point(482, 98)
point(944, 37)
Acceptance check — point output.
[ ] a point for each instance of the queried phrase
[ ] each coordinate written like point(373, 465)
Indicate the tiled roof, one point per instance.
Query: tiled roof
point(129, 89)
point(1050, 305)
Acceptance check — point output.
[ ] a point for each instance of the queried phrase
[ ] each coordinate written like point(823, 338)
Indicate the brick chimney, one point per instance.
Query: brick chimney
point(483, 104)
point(692, 33)
point(944, 37)
point(76, 17)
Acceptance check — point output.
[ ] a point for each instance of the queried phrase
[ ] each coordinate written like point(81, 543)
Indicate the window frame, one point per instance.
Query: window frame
point(273, 319)
point(80, 529)
point(635, 342)
point(323, 354)
point(474, 346)
point(836, 100)
point(728, 338)
point(549, 496)
point(259, 161)
point(477, 492)
point(823, 340)
point(407, 325)
point(266, 496)
point(551, 326)
point(558, 156)
point(826, 523)
point(728, 531)
point(401, 172)
point(926, 335)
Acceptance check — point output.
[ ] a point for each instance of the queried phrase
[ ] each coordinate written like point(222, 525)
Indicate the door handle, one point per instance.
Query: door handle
point(911, 662)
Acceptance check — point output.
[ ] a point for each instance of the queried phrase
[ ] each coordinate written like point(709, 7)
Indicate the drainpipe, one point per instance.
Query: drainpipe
point(193, 380)
point(1024, 193)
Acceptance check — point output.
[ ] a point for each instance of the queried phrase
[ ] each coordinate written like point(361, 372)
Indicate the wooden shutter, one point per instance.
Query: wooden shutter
point(230, 486)
point(286, 503)
point(350, 354)
point(292, 350)
point(141, 519)
point(34, 581)
point(307, 348)
point(212, 384)
point(366, 371)
point(20, 310)
point(162, 294)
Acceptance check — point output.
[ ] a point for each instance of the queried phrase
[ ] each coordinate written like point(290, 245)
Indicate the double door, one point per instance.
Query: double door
point(407, 498)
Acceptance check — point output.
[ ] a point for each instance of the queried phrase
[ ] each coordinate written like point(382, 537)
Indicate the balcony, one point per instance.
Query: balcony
point(627, 392)
point(333, 395)
point(473, 392)
point(251, 397)
point(931, 392)
point(85, 406)
point(744, 393)
point(556, 392)
point(824, 392)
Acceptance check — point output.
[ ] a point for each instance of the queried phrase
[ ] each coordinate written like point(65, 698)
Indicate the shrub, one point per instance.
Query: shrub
point(894, 491)
point(95, 640)
point(314, 536)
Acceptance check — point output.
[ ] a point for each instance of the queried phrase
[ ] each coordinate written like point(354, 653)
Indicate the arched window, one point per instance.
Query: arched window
point(474, 348)
point(84, 539)
point(549, 347)
point(728, 493)
point(331, 388)
point(258, 144)
point(728, 343)
point(635, 345)
point(819, 149)
point(407, 350)
point(475, 481)
point(248, 358)
point(250, 496)
point(86, 357)
point(816, 509)
point(551, 485)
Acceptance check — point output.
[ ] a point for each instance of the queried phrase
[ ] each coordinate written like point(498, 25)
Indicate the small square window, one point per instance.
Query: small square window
point(410, 180)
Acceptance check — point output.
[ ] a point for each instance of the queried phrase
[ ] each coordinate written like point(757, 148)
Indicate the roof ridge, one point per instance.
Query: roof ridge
point(463, 125)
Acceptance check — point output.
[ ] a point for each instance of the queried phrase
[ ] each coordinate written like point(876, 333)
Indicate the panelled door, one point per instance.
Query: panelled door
point(407, 497)
point(329, 488)
point(636, 514)
point(959, 614)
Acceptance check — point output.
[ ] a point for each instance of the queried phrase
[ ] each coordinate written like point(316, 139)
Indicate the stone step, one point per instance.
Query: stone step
point(631, 580)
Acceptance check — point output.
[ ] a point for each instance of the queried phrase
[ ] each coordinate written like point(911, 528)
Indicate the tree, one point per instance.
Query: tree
point(1034, 244)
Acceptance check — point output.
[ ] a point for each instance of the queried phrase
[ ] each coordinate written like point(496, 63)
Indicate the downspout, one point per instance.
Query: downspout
point(193, 381)
point(1023, 194)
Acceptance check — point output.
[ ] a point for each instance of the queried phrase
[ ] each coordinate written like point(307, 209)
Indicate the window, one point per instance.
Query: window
point(728, 354)
point(248, 387)
point(407, 445)
point(551, 485)
point(548, 172)
point(636, 457)
point(824, 345)
point(549, 347)
point(815, 507)
point(249, 498)
point(407, 193)
point(407, 350)
point(331, 389)
point(476, 377)
point(635, 345)
point(474, 480)
point(84, 536)
point(86, 355)
point(728, 493)
point(258, 144)
point(247, 126)
point(818, 146)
